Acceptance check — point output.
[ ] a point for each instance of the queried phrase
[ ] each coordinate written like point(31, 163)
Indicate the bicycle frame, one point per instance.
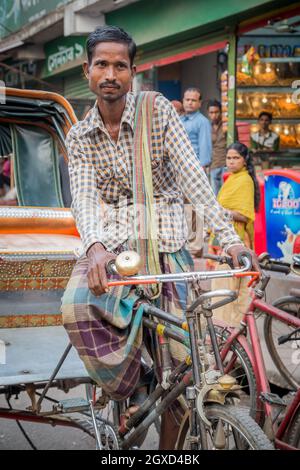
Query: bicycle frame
point(256, 357)
point(189, 372)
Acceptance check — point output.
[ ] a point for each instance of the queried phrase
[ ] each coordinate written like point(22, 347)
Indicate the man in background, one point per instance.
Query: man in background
point(218, 164)
point(198, 129)
point(265, 139)
point(197, 126)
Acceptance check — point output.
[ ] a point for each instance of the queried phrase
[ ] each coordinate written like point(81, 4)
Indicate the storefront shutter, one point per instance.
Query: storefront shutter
point(76, 86)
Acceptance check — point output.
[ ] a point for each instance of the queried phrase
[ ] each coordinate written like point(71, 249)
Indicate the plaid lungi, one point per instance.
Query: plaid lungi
point(105, 332)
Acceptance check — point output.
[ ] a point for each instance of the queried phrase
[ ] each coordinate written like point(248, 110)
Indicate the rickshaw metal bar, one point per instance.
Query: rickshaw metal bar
point(166, 331)
point(55, 372)
point(160, 408)
point(19, 415)
point(194, 353)
point(97, 435)
point(157, 312)
point(155, 395)
point(214, 341)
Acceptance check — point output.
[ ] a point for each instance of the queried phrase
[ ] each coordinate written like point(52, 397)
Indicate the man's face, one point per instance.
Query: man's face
point(264, 122)
point(214, 114)
point(191, 101)
point(110, 74)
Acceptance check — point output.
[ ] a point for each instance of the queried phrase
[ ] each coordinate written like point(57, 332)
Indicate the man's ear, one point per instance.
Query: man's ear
point(85, 67)
point(133, 70)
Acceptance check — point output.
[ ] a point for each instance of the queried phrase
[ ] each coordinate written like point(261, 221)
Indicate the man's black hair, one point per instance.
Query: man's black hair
point(265, 113)
point(193, 88)
point(215, 103)
point(110, 34)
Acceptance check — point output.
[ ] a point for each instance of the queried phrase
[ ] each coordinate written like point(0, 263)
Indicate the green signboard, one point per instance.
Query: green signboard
point(14, 14)
point(62, 51)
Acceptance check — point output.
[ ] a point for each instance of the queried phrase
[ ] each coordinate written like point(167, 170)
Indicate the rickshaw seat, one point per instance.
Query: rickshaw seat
point(36, 166)
point(38, 250)
point(25, 345)
point(38, 242)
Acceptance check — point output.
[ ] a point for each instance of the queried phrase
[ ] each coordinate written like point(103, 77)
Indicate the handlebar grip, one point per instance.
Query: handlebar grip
point(111, 267)
point(277, 268)
point(245, 259)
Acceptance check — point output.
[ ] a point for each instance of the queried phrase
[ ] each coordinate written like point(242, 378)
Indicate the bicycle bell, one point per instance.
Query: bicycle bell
point(128, 263)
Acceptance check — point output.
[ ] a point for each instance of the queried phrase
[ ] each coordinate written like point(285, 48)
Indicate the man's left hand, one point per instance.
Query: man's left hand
point(235, 250)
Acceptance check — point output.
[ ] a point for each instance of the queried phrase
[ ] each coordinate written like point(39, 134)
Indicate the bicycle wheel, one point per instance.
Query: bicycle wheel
point(293, 435)
point(238, 364)
point(286, 357)
point(231, 429)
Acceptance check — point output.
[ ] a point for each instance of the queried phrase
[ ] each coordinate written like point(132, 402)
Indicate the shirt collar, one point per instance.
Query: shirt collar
point(269, 133)
point(190, 116)
point(94, 119)
point(216, 129)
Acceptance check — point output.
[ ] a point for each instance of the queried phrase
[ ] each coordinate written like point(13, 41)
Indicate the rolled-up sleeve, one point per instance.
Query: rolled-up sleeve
point(193, 181)
point(86, 204)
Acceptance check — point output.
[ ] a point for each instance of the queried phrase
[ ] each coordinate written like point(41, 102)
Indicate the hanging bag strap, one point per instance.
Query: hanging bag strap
point(145, 227)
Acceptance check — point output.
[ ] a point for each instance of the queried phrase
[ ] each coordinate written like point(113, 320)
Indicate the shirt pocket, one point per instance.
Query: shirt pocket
point(104, 173)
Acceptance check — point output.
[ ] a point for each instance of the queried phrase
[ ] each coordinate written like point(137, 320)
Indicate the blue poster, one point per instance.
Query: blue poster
point(282, 205)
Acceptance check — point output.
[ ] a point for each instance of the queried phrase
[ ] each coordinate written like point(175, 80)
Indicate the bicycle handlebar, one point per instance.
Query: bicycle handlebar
point(273, 266)
point(183, 276)
point(269, 264)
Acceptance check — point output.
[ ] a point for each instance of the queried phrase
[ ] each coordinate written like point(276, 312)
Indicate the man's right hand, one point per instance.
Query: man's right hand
point(97, 277)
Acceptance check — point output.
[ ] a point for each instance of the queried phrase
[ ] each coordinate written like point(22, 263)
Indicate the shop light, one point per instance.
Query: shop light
point(288, 100)
point(286, 131)
point(268, 68)
point(277, 129)
point(240, 100)
point(264, 100)
point(243, 69)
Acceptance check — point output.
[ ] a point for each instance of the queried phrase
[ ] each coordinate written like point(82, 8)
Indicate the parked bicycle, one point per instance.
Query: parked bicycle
point(245, 356)
point(211, 417)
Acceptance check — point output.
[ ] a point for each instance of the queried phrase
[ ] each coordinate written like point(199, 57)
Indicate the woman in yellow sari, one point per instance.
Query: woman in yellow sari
point(240, 196)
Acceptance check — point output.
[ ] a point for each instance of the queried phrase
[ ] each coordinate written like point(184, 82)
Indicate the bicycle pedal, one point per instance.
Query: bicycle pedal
point(71, 405)
point(272, 399)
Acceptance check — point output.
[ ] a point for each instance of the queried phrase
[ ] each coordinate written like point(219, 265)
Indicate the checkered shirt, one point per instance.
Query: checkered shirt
point(101, 180)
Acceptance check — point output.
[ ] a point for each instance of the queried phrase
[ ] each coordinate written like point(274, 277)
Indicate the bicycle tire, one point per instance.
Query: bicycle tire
point(247, 378)
point(293, 435)
point(251, 436)
point(283, 356)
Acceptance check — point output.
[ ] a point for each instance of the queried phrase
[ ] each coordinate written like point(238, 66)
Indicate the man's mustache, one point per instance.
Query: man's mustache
point(109, 84)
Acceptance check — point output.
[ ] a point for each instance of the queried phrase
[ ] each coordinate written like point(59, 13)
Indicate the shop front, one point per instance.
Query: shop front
point(210, 49)
point(268, 75)
point(200, 67)
point(63, 69)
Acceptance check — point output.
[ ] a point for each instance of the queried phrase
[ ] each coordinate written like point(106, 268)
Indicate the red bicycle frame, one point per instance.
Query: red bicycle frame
point(255, 355)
